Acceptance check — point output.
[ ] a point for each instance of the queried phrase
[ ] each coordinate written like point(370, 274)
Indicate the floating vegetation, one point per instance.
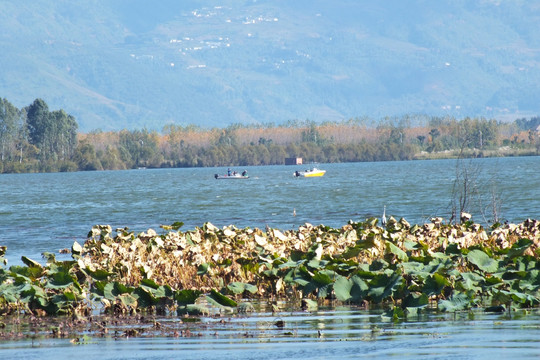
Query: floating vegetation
point(209, 270)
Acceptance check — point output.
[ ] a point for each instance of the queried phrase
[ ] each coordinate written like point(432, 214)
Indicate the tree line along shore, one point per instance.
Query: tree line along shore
point(35, 139)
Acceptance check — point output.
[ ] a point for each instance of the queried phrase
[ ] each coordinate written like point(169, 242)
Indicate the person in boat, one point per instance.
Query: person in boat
point(229, 172)
point(244, 173)
point(297, 173)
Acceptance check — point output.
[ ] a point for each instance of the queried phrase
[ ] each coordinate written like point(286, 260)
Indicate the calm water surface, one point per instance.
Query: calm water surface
point(47, 212)
point(340, 333)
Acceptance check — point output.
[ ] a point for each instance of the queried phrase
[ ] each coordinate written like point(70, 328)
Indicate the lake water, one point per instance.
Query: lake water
point(47, 212)
point(334, 333)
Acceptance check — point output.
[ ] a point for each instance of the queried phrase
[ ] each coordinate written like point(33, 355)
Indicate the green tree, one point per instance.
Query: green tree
point(54, 134)
point(110, 159)
point(38, 123)
point(137, 148)
point(63, 135)
point(8, 127)
point(86, 159)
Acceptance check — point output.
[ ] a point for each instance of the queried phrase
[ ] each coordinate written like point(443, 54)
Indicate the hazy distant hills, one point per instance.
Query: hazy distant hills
point(117, 64)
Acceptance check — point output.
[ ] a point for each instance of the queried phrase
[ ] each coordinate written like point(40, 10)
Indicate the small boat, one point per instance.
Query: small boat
point(313, 172)
point(233, 175)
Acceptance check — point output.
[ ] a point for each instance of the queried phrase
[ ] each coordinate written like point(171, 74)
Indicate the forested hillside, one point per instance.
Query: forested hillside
point(35, 139)
point(120, 64)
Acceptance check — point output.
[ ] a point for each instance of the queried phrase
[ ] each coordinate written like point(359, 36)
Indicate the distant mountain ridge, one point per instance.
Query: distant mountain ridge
point(117, 64)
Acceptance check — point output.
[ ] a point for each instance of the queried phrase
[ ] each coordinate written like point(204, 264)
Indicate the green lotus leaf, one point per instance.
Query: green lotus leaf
point(514, 275)
point(240, 288)
point(368, 275)
point(421, 259)
point(99, 274)
point(483, 261)
point(378, 265)
point(98, 288)
point(59, 301)
point(457, 302)
point(316, 264)
point(343, 266)
point(301, 281)
point(225, 263)
point(9, 293)
point(342, 288)
point(325, 277)
point(435, 284)
point(164, 291)
point(272, 273)
point(185, 297)
point(27, 291)
point(393, 249)
point(524, 298)
point(310, 304)
point(493, 281)
point(128, 300)
point(324, 291)
point(382, 286)
point(352, 252)
point(414, 268)
point(416, 300)
point(70, 296)
point(30, 263)
point(114, 289)
point(177, 225)
point(221, 299)
point(202, 269)
point(453, 249)
point(144, 297)
point(359, 289)
point(149, 283)
point(60, 279)
point(35, 272)
point(534, 277)
point(470, 281)
point(519, 248)
point(439, 264)
point(109, 291)
point(411, 245)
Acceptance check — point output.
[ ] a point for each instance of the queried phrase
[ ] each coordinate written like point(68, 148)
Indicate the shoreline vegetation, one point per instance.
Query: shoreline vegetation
point(403, 269)
point(34, 139)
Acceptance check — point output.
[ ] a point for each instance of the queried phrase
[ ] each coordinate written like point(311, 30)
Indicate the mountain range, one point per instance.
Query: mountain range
point(131, 64)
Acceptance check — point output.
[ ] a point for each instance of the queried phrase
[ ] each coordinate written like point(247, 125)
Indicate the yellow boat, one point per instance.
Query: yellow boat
point(313, 172)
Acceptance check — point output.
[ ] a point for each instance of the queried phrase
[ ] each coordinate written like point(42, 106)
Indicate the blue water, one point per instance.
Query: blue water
point(336, 333)
point(48, 212)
